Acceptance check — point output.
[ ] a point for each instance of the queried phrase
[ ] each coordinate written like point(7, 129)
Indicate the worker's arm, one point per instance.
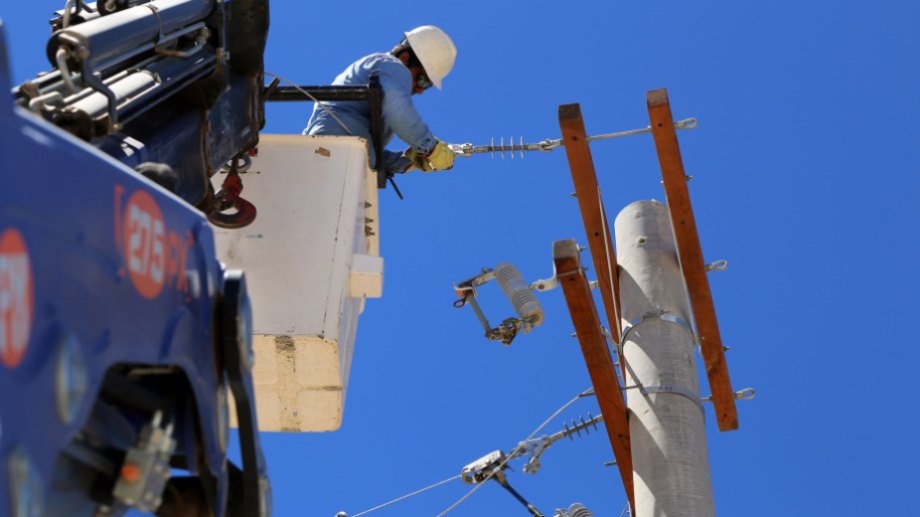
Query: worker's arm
point(399, 111)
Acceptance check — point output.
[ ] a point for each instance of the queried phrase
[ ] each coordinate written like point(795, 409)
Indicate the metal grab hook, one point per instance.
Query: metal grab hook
point(229, 198)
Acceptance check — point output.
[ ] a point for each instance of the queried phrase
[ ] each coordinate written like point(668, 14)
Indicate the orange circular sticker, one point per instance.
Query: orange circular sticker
point(145, 244)
point(16, 298)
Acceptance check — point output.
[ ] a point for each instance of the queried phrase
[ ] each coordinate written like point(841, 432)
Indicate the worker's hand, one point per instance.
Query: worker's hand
point(441, 157)
point(417, 161)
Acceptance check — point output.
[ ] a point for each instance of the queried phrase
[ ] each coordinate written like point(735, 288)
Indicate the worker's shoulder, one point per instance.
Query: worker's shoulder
point(382, 60)
point(392, 72)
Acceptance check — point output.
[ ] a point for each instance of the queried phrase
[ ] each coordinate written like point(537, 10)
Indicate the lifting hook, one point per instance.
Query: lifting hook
point(229, 198)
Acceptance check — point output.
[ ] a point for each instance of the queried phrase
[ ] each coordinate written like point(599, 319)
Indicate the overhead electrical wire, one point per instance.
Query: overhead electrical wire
point(586, 393)
point(398, 499)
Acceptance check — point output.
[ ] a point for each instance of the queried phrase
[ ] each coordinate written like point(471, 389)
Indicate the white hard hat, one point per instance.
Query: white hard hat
point(435, 50)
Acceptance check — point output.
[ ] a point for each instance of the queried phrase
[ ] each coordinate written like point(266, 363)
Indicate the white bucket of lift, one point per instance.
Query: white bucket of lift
point(311, 258)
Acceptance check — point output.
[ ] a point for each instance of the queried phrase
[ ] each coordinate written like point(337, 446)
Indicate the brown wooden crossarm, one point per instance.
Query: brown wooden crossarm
point(593, 214)
point(691, 258)
point(597, 356)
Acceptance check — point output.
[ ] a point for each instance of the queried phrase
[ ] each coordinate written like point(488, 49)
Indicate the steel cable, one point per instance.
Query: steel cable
point(398, 499)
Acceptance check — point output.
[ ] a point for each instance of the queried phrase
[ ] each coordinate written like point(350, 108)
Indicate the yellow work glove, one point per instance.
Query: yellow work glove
point(417, 161)
point(441, 157)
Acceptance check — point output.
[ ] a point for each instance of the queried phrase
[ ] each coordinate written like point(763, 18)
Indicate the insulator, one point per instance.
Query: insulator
point(518, 292)
point(578, 510)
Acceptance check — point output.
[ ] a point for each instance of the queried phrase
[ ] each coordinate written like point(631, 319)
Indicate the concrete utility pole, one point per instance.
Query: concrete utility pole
point(670, 461)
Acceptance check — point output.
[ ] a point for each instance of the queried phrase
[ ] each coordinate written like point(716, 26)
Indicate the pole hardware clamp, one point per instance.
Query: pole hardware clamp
point(659, 314)
point(670, 388)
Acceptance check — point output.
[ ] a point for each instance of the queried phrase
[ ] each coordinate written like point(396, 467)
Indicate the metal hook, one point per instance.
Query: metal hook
point(229, 198)
point(718, 266)
point(687, 123)
point(746, 394)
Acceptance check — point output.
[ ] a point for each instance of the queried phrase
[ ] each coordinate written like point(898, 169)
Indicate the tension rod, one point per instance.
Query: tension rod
point(550, 144)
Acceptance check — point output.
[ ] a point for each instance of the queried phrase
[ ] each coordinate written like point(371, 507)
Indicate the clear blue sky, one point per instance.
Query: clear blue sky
point(806, 180)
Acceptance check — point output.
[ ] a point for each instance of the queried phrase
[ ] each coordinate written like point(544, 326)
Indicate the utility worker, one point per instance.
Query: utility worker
point(421, 60)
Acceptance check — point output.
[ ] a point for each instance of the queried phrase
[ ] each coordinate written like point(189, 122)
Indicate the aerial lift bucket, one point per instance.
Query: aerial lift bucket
point(312, 258)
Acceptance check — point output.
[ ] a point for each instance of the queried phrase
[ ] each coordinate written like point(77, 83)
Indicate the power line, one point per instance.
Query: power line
point(398, 499)
point(586, 393)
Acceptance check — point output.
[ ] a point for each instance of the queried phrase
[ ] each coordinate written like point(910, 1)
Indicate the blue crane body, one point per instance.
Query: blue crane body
point(121, 333)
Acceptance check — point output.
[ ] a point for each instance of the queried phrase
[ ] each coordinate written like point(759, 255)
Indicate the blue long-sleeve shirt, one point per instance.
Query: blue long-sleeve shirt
point(399, 114)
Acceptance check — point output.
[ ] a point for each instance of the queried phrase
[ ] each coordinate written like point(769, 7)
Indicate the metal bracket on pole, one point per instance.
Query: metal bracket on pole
point(659, 315)
point(670, 388)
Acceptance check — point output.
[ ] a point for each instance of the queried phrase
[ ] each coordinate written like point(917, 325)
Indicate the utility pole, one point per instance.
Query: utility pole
point(670, 462)
point(659, 309)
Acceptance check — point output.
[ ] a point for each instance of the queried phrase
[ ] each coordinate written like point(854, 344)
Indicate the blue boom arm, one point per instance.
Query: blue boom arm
point(121, 334)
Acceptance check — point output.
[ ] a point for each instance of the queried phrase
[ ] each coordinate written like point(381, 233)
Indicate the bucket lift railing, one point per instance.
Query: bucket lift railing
point(372, 94)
